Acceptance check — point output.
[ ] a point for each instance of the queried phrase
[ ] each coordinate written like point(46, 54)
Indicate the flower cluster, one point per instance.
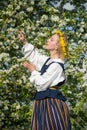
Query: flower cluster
point(62, 41)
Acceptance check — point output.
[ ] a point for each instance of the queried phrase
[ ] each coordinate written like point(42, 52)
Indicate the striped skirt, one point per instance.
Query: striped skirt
point(50, 114)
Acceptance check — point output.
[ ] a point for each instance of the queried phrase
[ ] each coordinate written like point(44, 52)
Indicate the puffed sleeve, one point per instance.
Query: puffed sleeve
point(33, 55)
point(51, 77)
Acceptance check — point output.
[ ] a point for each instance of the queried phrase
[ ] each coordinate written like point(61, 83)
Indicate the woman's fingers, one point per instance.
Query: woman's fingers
point(21, 37)
point(29, 66)
point(25, 64)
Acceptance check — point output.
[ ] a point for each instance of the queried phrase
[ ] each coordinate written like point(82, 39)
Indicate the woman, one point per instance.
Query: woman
point(50, 111)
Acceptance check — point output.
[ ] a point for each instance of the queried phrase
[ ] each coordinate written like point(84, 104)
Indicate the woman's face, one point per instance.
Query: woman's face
point(52, 43)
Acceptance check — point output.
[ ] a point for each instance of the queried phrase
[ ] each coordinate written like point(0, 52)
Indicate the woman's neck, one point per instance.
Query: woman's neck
point(55, 55)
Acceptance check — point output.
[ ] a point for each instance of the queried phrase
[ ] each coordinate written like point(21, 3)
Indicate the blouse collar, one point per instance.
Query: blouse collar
point(58, 60)
point(55, 60)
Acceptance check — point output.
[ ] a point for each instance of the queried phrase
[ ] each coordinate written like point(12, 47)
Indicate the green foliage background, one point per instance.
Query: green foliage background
point(38, 19)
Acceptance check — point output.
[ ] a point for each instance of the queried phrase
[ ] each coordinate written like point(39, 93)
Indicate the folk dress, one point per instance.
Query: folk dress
point(50, 111)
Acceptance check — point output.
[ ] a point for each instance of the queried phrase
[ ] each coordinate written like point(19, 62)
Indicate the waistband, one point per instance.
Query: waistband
point(50, 93)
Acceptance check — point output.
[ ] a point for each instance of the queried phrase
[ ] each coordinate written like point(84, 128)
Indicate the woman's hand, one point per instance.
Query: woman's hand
point(21, 37)
point(31, 67)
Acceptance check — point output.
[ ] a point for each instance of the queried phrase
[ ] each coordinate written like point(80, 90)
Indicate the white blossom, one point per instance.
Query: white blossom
point(1, 43)
point(18, 107)
point(82, 23)
point(6, 81)
point(81, 29)
point(10, 6)
point(6, 108)
point(18, 7)
point(19, 81)
point(3, 55)
point(2, 115)
point(42, 34)
point(85, 36)
point(80, 41)
point(62, 23)
point(20, 3)
point(43, 18)
point(30, 9)
point(55, 18)
point(32, 2)
point(24, 79)
point(85, 106)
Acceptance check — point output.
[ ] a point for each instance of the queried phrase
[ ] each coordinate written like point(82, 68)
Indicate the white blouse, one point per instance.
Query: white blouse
point(53, 75)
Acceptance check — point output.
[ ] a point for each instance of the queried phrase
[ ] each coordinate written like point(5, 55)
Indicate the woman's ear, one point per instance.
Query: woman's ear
point(56, 47)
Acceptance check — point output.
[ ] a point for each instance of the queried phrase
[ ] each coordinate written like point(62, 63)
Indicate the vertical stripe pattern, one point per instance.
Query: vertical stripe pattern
point(50, 114)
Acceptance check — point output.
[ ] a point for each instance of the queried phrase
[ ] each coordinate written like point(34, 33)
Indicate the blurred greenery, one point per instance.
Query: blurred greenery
point(38, 19)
